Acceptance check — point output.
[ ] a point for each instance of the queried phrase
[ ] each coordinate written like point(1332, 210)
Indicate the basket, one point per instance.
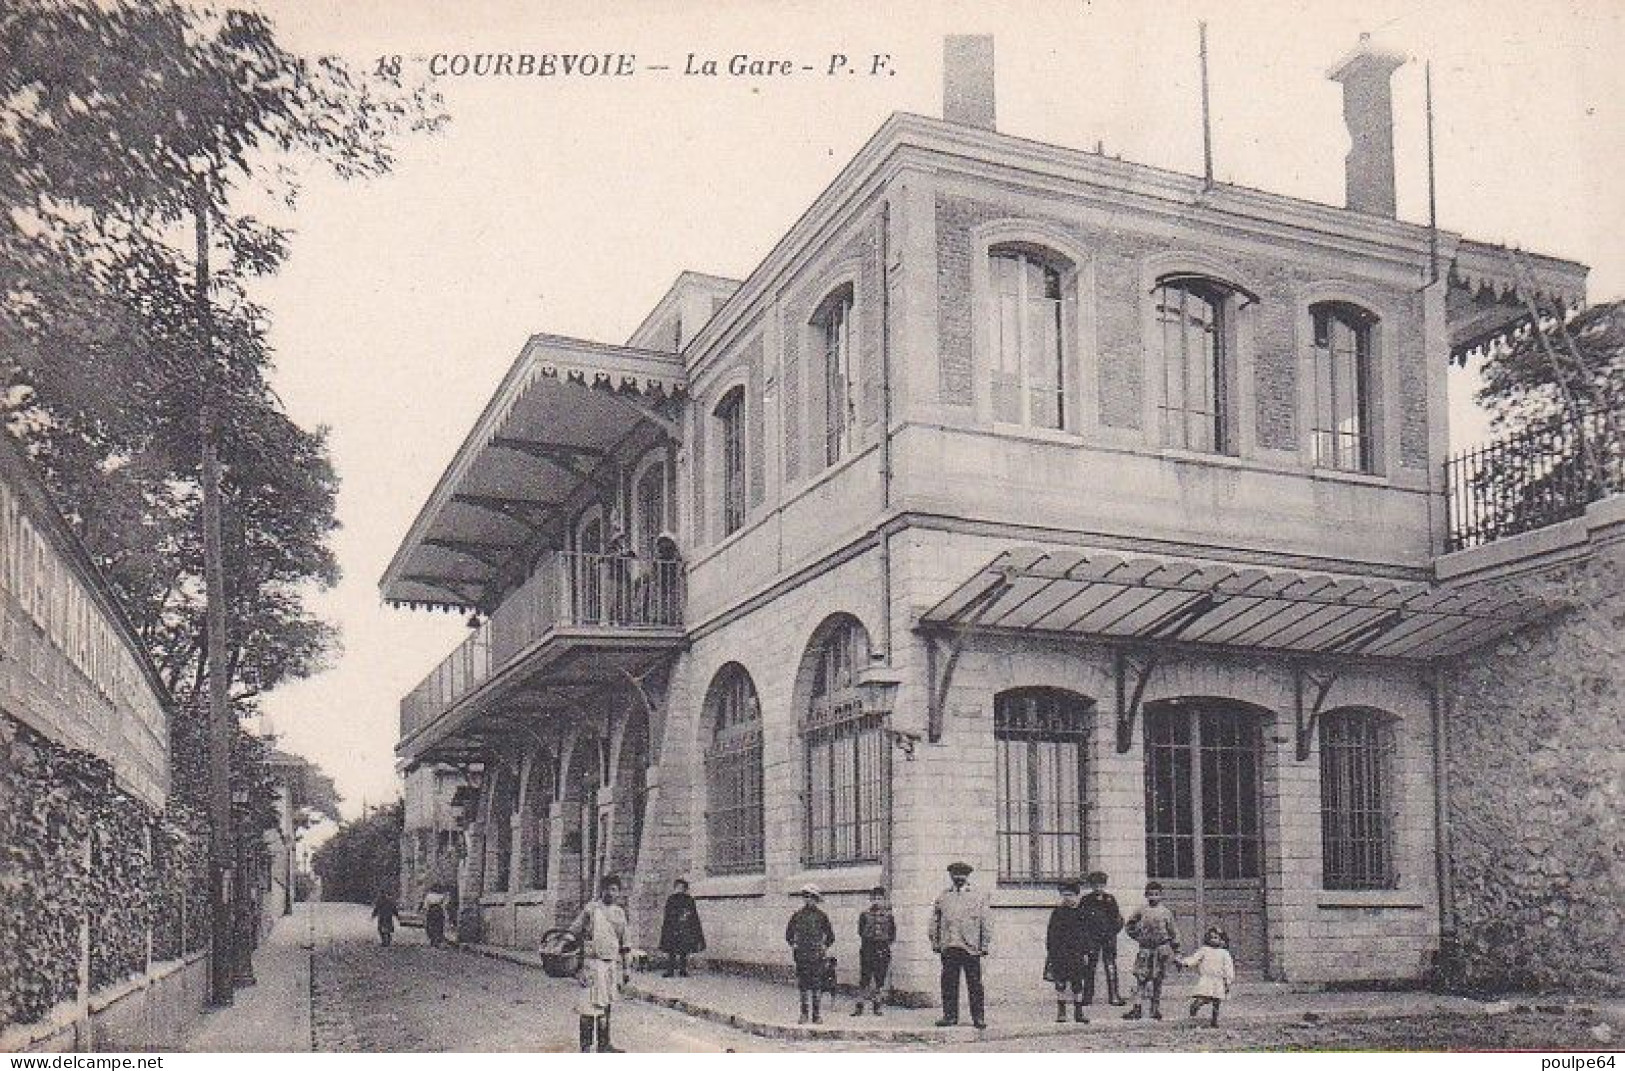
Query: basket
point(561, 953)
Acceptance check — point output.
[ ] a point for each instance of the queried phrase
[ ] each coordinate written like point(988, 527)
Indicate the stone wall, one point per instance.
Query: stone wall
point(1536, 746)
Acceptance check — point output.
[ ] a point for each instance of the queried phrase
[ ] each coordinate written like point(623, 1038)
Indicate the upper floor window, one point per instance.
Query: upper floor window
point(1042, 738)
point(1343, 386)
point(733, 774)
point(1029, 358)
point(844, 750)
point(833, 326)
point(649, 510)
point(1196, 333)
point(730, 414)
point(1356, 825)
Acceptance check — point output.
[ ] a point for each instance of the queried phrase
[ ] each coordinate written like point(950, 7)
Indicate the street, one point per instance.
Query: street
point(413, 998)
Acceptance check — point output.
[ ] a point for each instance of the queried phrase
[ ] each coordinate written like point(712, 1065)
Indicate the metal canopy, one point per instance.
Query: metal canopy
point(558, 413)
point(1485, 303)
point(1165, 600)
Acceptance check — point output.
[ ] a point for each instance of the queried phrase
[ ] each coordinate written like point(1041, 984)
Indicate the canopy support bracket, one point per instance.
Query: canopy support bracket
point(942, 653)
point(1132, 669)
point(1303, 679)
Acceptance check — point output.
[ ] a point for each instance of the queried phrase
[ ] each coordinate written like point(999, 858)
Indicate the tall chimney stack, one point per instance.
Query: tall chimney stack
point(967, 80)
point(1368, 108)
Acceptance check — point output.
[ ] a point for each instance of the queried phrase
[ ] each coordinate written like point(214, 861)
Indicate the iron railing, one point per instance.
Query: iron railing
point(568, 589)
point(1541, 476)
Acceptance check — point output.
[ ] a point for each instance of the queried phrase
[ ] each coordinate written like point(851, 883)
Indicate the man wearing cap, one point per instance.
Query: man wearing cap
point(602, 928)
point(961, 933)
point(809, 936)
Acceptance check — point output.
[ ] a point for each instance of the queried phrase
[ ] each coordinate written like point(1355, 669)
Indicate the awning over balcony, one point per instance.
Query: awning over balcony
point(561, 408)
point(1166, 600)
point(1490, 290)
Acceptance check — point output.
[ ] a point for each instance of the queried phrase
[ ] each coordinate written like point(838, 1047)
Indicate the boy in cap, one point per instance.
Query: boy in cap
point(1102, 920)
point(809, 936)
point(961, 933)
point(877, 929)
point(1066, 945)
point(1153, 926)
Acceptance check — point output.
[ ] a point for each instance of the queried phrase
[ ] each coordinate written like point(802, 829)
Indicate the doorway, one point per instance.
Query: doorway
point(1203, 820)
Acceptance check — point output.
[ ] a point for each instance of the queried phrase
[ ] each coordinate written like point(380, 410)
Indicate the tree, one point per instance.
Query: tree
point(363, 858)
point(1528, 381)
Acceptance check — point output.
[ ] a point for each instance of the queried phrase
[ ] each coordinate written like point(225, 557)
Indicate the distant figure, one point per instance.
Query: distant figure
point(1215, 972)
point(877, 929)
point(1103, 919)
point(434, 917)
point(1066, 947)
point(680, 932)
point(602, 927)
point(385, 909)
point(1153, 926)
point(809, 936)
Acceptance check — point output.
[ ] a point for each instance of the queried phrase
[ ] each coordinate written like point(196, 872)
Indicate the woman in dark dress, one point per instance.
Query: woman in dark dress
point(680, 933)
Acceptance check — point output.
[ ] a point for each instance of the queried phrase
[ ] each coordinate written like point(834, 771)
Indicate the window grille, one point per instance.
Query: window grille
point(1342, 362)
point(1042, 739)
point(1029, 360)
point(1191, 318)
point(845, 754)
point(733, 773)
point(1356, 826)
point(1202, 794)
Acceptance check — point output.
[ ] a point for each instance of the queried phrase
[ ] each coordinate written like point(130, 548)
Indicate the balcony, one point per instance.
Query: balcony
point(595, 612)
point(1537, 478)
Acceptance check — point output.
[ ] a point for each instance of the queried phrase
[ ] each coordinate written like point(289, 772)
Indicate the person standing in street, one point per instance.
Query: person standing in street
point(809, 936)
point(385, 909)
point(680, 932)
point(1153, 926)
point(602, 927)
point(1066, 949)
point(1103, 919)
point(961, 933)
point(877, 929)
point(434, 917)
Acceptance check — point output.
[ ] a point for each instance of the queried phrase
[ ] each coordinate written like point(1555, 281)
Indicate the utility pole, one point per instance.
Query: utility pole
point(222, 862)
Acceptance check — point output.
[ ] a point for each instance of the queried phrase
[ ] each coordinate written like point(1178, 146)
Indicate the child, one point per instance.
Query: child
point(1067, 945)
point(681, 934)
point(877, 929)
point(809, 936)
point(1215, 972)
point(1102, 921)
point(1154, 928)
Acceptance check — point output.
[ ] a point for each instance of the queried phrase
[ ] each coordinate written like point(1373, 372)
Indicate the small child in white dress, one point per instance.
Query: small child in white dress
point(1215, 972)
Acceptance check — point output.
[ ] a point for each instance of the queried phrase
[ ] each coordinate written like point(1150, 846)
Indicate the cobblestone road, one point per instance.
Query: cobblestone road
point(413, 998)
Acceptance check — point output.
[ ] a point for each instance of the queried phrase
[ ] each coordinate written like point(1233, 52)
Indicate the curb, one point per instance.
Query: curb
point(1468, 1008)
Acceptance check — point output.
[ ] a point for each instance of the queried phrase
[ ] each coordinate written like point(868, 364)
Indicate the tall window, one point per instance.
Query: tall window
point(845, 754)
point(730, 414)
point(1193, 330)
point(649, 499)
point(1355, 824)
point(1042, 736)
point(1342, 386)
point(833, 324)
point(1029, 363)
point(733, 774)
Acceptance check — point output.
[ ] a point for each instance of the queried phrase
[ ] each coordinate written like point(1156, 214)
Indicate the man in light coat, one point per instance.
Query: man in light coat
point(961, 933)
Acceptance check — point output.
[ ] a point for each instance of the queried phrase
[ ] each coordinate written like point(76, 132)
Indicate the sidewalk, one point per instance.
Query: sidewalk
point(274, 1014)
point(770, 1009)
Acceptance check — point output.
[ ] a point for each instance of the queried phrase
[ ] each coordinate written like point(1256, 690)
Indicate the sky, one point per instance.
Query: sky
point(569, 205)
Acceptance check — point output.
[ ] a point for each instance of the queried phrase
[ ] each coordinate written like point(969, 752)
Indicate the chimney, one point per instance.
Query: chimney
point(967, 80)
point(1368, 109)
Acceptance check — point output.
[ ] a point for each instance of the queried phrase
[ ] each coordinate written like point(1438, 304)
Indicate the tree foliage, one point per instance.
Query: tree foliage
point(362, 858)
point(1526, 383)
point(125, 130)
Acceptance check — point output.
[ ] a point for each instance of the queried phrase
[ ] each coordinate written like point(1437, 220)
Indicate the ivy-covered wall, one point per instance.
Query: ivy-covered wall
point(83, 858)
point(1536, 745)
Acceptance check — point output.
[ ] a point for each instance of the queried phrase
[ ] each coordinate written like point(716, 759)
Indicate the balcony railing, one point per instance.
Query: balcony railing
point(567, 590)
point(1547, 474)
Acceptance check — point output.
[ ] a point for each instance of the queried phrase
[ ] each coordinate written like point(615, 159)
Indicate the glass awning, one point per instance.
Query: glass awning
point(1165, 600)
point(557, 415)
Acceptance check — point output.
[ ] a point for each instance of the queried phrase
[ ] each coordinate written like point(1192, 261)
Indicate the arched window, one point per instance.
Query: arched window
point(648, 510)
point(1196, 333)
point(845, 753)
point(730, 416)
point(832, 327)
point(1342, 359)
point(1356, 822)
point(733, 774)
point(1042, 737)
point(1029, 347)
